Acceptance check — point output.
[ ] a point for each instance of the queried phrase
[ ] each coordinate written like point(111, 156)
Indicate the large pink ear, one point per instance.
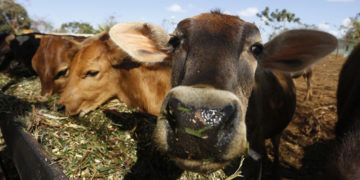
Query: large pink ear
point(295, 50)
point(145, 43)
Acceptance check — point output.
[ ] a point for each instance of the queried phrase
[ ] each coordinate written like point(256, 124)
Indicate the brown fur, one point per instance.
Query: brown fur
point(53, 56)
point(134, 84)
point(214, 64)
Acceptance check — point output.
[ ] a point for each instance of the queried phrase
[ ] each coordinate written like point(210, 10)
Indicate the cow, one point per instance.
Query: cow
point(52, 60)
point(345, 161)
point(307, 75)
point(20, 49)
point(102, 70)
point(214, 58)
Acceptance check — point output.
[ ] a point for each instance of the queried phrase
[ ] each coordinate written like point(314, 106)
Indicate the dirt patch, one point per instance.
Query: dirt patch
point(307, 140)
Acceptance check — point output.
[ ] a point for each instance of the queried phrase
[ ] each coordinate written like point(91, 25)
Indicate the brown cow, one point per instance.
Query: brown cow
point(214, 59)
point(307, 75)
point(52, 59)
point(102, 70)
point(345, 162)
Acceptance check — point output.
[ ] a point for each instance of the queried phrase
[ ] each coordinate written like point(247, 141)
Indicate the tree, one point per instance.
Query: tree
point(42, 25)
point(77, 27)
point(13, 17)
point(110, 22)
point(352, 31)
point(278, 19)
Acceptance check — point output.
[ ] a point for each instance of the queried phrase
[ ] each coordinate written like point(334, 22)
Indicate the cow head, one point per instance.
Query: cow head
point(52, 60)
point(103, 69)
point(214, 58)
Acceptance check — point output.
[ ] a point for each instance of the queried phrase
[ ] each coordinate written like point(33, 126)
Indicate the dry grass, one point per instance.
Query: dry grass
point(89, 147)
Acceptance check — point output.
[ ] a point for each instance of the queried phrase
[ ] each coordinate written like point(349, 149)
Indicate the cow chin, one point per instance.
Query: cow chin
point(199, 166)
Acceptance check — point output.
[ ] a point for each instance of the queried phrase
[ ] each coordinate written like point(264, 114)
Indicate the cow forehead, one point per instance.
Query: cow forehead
point(218, 27)
point(213, 23)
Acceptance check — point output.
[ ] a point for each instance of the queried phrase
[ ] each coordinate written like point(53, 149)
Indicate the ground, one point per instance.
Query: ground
point(307, 140)
point(94, 147)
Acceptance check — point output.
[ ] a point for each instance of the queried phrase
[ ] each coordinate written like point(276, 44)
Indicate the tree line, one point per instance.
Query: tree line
point(14, 18)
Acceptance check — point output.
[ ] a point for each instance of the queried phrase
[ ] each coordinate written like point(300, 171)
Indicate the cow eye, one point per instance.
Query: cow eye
point(174, 41)
point(256, 49)
point(62, 73)
point(91, 73)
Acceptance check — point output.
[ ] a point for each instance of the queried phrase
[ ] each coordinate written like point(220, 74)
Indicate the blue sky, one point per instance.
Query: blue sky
point(326, 14)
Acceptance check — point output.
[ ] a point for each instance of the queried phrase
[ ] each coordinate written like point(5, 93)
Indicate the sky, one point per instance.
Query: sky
point(327, 15)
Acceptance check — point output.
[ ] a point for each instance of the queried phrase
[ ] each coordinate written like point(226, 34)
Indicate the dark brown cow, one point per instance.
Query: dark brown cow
point(345, 162)
point(102, 70)
point(52, 60)
point(214, 59)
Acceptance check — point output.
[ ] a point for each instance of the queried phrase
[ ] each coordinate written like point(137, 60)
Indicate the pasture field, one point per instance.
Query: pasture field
point(93, 146)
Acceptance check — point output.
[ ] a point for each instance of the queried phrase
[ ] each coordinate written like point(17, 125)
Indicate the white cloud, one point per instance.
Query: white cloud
point(341, 0)
point(346, 22)
point(327, 28)
point(248, 12)
point(175, 8)
point(324, 26)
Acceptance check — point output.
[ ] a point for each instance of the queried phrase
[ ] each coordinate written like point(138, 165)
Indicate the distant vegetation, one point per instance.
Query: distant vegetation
point(352, 35)
point(281, 20)
point(14, 18)
point(278, 20)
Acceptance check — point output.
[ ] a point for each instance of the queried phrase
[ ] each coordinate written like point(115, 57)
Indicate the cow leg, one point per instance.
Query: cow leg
point(307, 77)
point(276, 164)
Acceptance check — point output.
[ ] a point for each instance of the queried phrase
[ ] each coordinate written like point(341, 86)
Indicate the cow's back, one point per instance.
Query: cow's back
point(344, 163)
point(348, 93)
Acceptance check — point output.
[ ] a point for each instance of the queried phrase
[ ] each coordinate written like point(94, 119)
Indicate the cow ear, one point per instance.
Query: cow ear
point(143, 42)
point(73, 47)
point(295, 50)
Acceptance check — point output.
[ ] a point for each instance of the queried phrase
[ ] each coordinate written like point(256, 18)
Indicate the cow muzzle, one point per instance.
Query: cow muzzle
point(201, 128)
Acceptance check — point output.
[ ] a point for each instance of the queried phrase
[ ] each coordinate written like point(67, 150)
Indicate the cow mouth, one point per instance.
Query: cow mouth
point(201, 166)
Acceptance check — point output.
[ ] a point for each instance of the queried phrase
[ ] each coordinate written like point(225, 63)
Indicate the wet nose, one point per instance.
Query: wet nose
point(198, 121)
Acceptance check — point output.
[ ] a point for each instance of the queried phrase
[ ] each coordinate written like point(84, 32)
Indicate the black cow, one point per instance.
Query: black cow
point(19, 49)
point(345, 162)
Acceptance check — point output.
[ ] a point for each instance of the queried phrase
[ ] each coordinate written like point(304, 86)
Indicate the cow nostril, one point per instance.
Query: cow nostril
point(229, 111)
point(170, 112)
